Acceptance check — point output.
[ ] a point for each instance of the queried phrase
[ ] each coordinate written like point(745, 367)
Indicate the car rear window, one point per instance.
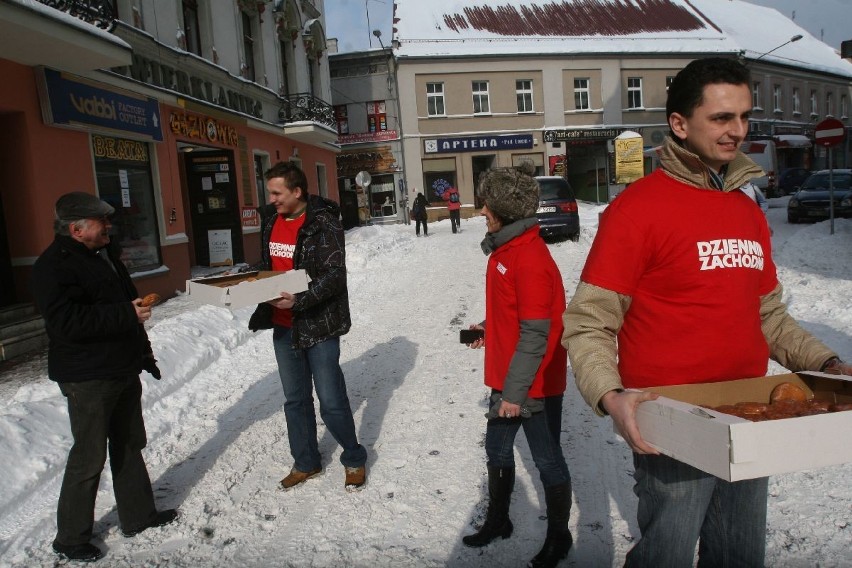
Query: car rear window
point(555, 189)
point(820, 181)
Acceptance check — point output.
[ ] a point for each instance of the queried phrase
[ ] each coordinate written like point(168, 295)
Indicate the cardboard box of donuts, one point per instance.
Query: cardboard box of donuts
point(236, 291)
point(752, 427)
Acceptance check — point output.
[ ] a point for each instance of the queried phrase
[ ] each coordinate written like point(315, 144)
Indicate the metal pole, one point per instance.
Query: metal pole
point(831, 189)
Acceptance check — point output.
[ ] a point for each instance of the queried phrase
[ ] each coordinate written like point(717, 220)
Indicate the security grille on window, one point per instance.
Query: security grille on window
point(755, 96)
point(797, 102)
point(581, 94)
point(634, 92)
point(523, 90)
point(480, 97)
point(435, 99)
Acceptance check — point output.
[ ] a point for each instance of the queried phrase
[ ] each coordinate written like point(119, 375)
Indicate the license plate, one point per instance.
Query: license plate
point(818, 213)
point(546, 210)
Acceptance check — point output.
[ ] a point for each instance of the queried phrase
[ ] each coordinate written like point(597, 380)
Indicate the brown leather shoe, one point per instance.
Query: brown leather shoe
point(356, 477)
point(295, 477)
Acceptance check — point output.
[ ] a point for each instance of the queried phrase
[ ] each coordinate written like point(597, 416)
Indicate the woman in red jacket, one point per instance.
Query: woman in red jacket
point(525, 364)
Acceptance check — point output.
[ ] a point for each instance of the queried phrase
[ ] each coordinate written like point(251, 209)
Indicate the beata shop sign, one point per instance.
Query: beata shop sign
point(478, 143)
point(76, 102)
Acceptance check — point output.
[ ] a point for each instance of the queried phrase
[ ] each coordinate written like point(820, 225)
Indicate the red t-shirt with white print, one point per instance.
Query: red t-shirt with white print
point(695, 263)
point(282, 244)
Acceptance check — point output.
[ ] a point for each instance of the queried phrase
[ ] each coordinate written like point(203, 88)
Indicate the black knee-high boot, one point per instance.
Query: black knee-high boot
point(559, 540)
point(501, 481)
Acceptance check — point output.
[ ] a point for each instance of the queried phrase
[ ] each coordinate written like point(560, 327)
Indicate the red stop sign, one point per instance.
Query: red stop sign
point(829, 132)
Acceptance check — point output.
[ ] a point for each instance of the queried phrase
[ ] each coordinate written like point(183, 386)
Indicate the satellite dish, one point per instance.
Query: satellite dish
point(363, 179)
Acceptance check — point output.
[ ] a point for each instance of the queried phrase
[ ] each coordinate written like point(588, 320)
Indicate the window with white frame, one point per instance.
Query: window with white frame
point(435, 99)
point(844, 107)
point(480, 97)
point(377, 118)
point(524, 93)
point(776, 98)
point(829, 104)
point(634, 92)
point(797, 101)
point(814, 104)
point(756, 96)
point(581, 93)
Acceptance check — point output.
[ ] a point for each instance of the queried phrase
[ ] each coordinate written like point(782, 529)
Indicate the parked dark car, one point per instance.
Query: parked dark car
point(811, 202)
point(791, 179)
point(557, 209)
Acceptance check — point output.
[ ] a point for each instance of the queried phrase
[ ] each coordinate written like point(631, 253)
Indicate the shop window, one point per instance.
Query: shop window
point(377, 120)
point(123, 172)
point(436, 183)
point(382, 197)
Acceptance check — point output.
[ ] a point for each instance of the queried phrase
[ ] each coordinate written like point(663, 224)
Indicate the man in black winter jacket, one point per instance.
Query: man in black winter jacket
point(98, 347)
point(302, 231)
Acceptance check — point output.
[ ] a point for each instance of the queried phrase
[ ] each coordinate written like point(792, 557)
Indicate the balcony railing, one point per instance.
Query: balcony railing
point(100, 13)
point(306, 107)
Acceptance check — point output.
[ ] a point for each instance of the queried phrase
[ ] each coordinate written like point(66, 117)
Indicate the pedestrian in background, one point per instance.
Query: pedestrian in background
point(451, 196)
point(418, 209)
point(98, 347)
point(525, 365)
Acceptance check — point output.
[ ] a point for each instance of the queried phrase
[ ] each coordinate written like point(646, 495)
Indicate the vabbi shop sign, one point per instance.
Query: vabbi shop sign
point(75, 102)
point(478, 143)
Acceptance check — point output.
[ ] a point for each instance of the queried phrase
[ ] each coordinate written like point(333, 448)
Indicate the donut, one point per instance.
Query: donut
point(150, 300)
point(754, 408)
point(787, 391)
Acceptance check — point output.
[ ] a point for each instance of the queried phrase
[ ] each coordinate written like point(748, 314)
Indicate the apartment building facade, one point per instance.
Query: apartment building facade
point(491, 86)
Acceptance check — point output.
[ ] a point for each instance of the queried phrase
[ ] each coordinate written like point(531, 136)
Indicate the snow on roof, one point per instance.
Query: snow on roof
point(453, 28)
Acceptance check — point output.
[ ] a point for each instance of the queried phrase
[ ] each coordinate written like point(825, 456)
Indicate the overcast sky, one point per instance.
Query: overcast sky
point(347, 20)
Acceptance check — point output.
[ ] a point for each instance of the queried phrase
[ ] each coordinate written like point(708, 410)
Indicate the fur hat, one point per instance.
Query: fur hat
point(79, 205)
point(510, 193)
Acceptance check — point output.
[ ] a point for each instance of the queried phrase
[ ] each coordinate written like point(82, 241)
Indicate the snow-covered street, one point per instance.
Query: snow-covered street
point(217, 443)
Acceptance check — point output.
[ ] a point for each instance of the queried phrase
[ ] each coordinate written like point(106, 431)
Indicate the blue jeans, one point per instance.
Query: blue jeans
point(302, 371)
point(542, 430)
point(679, 505)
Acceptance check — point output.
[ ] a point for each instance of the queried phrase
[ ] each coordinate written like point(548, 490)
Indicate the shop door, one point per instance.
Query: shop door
point(214, 208)
point(480, 165)
point(587, 171)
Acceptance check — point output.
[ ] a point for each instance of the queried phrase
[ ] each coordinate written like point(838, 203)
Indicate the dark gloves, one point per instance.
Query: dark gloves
point(261, 318)
point(150, 364)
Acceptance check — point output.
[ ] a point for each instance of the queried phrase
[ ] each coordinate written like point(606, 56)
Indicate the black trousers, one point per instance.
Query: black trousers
point(455, 219)
point(106, 415)
point(417, 226)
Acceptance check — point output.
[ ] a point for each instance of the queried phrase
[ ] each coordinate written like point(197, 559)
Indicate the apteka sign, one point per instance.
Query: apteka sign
point(478, 143)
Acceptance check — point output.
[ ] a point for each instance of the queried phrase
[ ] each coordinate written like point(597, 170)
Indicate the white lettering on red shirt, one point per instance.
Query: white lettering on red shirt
point(730, 253)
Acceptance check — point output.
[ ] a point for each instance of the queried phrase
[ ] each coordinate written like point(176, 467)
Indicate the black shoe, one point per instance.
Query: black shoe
point(488, 533)
point(162, 518)
point(85, 552)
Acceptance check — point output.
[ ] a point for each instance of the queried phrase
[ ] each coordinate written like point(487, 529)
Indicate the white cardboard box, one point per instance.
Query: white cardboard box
point(733, 448)
point(234, 292)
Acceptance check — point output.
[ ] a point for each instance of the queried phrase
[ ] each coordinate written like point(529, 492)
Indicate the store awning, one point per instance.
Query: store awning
point(793, 141)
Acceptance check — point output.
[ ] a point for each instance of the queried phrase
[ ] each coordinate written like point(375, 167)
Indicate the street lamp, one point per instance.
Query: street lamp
point(793, 39)
point(395, 94)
